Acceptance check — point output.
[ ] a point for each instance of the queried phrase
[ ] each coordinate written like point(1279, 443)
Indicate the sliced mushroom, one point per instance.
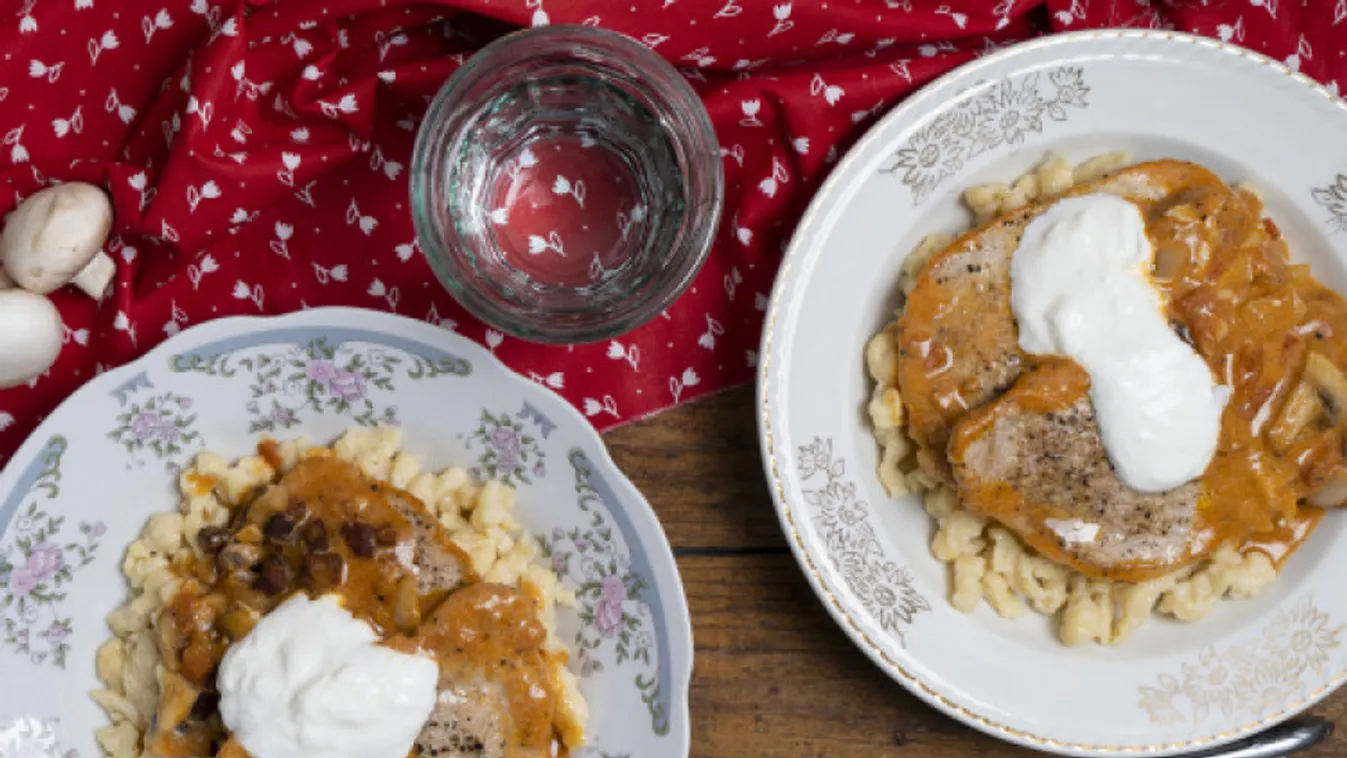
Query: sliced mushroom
point(170, 638)
point(200, 658)
point(176, 699)
point(1301, 409)
point(31, 333)
point(1333, 492)
point(237, 559)
point(1329, 380)
point(238, 622)
point(407, 605)
point(1170, 261)
point(266, 502)
point(55, 237)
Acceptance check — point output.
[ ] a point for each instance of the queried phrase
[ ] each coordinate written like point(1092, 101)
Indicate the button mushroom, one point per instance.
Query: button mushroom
point(31, 334)
point(1330, 382)
point(1333, 492)
point(55, 238)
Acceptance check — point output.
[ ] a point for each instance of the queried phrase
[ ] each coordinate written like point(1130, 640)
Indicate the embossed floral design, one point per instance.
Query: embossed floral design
point(884, 588)
point(1306, 635)
point(1071, 90)
point(319, 378)
point(616, 624)
point(934, 154)
point(1334, 199)
point(44, 562)
point(1019, 110)
point(1251, 677)
point(348, 386)
point(606, 591)
point(161, 425)
point(608, 614)
point(320, 371)
point(35, 570)
point(322, 375)
point(816, 459)
point(1003, 114)
point(508, 451)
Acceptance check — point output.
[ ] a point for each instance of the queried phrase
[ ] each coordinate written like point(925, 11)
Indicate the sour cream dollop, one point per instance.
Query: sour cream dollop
point(1081, 288)
point(309, 680)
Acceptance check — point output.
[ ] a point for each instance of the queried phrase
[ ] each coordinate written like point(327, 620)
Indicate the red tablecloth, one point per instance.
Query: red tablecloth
point(257, 151)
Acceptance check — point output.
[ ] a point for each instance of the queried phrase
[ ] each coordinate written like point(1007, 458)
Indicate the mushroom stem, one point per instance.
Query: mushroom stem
point(1333, 492)
point(55, 235)
point(31, 334)
point(95, 278)
point(1329, 380)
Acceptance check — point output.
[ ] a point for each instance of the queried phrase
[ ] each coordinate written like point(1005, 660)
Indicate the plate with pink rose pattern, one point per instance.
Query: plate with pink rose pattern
point(82, 486)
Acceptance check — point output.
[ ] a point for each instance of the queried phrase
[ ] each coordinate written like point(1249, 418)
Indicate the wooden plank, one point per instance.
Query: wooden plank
point(775, 677)
point(699, 467)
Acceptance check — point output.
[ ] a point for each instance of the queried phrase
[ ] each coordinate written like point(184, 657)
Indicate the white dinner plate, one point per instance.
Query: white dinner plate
point(82, 486)
point(1172, 687)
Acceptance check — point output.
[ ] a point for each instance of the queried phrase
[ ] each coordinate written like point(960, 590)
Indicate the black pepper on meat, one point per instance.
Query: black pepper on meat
point(1057, 463)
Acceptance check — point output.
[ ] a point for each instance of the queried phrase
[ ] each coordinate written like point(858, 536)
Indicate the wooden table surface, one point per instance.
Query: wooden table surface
point(774, 676)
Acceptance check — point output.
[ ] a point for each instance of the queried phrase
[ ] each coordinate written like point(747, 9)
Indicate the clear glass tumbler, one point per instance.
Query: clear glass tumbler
point(566, 184)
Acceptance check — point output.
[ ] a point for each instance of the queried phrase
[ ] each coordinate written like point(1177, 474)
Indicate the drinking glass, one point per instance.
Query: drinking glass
point(566, 184)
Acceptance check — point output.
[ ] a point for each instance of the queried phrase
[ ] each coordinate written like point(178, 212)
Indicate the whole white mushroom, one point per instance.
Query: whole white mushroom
point(31, 333)
point(55, 237)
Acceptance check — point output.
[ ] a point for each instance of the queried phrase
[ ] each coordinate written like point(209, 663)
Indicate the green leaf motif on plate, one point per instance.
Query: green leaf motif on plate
point(37, 567)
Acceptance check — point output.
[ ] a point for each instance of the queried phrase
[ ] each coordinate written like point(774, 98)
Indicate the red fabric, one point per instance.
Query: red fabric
point(257, 151)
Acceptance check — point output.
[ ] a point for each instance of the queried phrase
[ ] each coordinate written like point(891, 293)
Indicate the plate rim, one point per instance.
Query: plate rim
point(771, 349)
point(678, 612)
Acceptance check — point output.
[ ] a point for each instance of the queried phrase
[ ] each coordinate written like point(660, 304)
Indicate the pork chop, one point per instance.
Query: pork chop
point(464, 724)
point(336, 488)
point(496, 698)
point(958, 343)
point(1034, 461)
point(440, 564)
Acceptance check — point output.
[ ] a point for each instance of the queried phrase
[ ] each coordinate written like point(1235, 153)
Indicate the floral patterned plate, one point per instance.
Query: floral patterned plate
point(1172, 687)
point(82, 486)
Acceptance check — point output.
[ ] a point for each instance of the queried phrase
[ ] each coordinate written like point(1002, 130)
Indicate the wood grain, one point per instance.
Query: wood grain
point(774, 676)
point(699, 467)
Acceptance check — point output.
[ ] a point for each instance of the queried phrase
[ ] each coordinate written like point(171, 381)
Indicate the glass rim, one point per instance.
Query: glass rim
point(696, 145)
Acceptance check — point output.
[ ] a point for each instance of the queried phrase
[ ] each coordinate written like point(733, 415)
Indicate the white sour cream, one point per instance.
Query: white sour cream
point(1081, 288)
point(1073, 531)
point(309, 680)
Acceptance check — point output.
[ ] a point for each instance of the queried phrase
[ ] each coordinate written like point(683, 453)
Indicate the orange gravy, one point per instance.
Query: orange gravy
point(490, 632)
point(957, 338)
point(1053, 385)
point(1254, 318)
point(1232, 293)
point(327, 528)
